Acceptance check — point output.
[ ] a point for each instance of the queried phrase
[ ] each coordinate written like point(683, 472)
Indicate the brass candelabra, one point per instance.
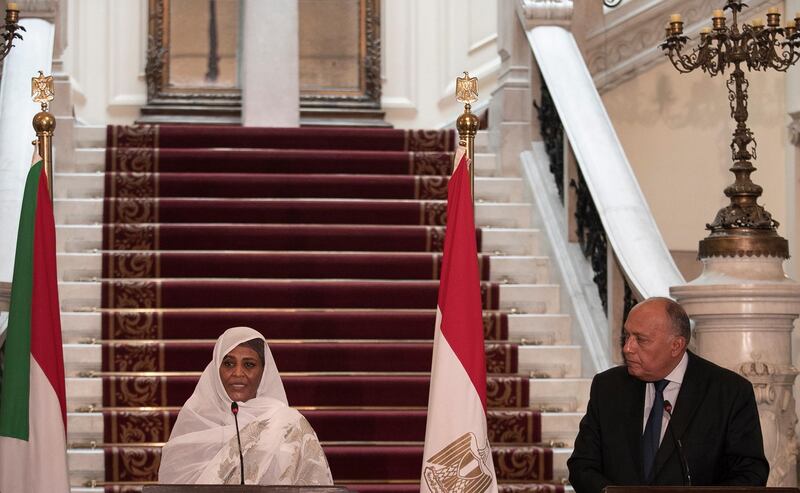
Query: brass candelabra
point(9, 32)
point(742, 228)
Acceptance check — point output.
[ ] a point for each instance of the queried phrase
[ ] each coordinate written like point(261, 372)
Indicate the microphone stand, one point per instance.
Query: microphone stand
point(235, 411)
point(687, 475)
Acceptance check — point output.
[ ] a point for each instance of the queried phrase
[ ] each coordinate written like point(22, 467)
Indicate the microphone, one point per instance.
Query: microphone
point(235, 411)
point(687, 475)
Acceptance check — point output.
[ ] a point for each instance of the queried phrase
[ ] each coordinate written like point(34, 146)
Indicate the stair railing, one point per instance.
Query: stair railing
point(598, 209)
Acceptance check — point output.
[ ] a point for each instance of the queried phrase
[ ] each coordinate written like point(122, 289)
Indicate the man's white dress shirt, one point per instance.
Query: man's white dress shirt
point(675, 379)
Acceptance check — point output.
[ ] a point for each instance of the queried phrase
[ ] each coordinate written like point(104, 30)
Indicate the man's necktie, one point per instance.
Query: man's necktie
point(652, 431)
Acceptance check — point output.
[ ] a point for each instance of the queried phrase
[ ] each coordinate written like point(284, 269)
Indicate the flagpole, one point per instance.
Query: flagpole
point(44, 123)
point(467, 124)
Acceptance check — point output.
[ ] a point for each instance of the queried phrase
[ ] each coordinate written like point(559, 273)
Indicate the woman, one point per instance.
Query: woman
point(278, 444)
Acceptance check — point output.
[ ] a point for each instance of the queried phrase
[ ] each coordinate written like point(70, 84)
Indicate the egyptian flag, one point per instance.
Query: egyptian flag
point(33, 418)
point(457, 455)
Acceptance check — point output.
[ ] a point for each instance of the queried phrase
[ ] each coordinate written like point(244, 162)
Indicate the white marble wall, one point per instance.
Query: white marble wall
point(105, 58)
point(426, 45)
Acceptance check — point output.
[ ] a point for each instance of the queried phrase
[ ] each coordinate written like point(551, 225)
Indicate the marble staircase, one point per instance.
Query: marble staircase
point(537, 320)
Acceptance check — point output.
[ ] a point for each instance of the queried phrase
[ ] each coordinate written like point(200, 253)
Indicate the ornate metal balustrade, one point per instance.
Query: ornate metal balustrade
point(588, 227)
point(552, 135)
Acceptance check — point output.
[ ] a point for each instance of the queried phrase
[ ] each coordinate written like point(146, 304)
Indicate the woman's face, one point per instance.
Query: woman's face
point(241, 372)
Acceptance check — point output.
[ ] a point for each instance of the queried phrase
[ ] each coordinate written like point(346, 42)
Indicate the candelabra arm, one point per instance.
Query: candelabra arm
point(700, 57)
point(10, 32)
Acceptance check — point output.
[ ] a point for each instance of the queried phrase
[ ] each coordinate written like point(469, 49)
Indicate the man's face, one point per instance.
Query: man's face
point(650, 346)
point(240, 372)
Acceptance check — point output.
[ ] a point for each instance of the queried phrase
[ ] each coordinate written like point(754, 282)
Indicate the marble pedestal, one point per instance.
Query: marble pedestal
point(743, 309)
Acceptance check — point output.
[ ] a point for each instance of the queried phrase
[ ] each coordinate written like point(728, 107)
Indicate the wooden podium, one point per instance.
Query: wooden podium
point(236, 488)
point(698, 489)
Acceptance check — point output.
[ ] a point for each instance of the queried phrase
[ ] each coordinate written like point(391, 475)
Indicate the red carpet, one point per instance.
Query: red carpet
point(298, 237)
point(384, 425)
point(285, 323)
point(378, 139)
point(344, 265)
point(271, 293)
point(292, 356)
point(354, 463)
point(275, 161)
point(327, 241)
point(354, 390)
point(243, 185)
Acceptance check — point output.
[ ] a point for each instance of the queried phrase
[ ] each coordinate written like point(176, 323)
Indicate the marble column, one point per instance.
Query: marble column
point(270, 64)
point(744, 309)
point(511, 122)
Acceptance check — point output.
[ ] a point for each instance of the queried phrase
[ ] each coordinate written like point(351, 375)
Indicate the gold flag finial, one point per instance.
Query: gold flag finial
point(466, 89)
point(42, 90)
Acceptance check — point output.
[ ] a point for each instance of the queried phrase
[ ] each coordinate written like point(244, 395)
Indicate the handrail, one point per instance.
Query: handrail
point(629, 225)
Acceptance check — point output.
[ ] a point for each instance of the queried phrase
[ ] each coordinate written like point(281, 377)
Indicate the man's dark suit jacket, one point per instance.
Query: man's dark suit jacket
point(715, 418)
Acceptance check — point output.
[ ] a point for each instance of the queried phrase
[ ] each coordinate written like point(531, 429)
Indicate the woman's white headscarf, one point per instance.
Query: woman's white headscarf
point(210, 404)
point(205, 423)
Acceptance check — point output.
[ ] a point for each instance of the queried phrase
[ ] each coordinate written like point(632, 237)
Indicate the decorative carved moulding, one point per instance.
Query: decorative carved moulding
point(625, 42)
point(742, 245)
point(772, 384)
point(534, 13)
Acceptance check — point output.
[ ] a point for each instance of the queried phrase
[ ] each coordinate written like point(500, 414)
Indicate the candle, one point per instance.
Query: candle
point(718, 13)
point(675, 18)
point(773, 17)
point(758, 22)
point(12, 6)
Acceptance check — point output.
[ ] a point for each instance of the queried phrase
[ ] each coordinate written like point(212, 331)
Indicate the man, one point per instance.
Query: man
point(667, 415)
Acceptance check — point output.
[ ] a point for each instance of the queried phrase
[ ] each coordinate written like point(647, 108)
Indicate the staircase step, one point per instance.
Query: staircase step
point(291, 293)
point(87, 160)
point(152, 426)
point(307, 355)
point(348, 462)
point(336, 265)
point(538, 329)
point(307, 389)
point(560, 428)
point(219, 136)
point(550, 361)
point(90, 136)
point(78, 238)
point(283, 211)
point(86, 238)
point(92, 186)
point(560, 394)
point(279, 324)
